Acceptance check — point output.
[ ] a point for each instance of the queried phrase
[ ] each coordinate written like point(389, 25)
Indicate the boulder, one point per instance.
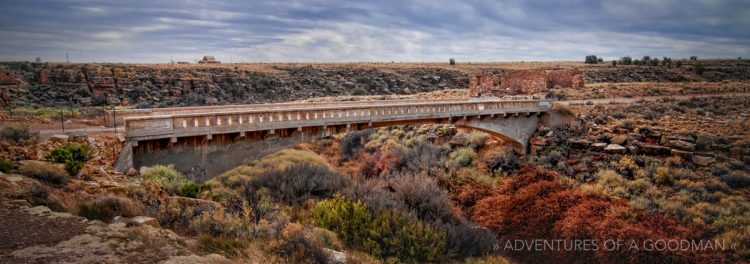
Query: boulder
point(599, 146)
point(682, 145)
point(59, 138)
point(655, 150)
point(579, 143)
point(703, 160)
point(335, 257)
point(142, 220)
point(619, 139)
point(615, 149)
point(635, 136)
point(687, 155)
point(539, 141)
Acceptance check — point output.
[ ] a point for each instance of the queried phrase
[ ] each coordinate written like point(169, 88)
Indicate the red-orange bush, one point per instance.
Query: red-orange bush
point(532, 205)
point(381, 163)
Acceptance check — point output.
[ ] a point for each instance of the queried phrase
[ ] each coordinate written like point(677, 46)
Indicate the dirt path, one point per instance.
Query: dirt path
point(630, 100)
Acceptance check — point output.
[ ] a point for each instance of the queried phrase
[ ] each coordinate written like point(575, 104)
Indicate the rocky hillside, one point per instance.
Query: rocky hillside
point(35, 85)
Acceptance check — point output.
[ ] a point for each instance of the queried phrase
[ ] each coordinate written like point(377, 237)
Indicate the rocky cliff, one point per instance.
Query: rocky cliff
point(49, 84)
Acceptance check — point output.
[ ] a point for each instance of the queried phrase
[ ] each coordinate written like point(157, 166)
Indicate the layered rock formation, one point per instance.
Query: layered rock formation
point(35, 84)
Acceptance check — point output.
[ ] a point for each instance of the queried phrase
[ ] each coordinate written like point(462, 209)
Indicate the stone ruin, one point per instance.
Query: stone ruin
point(209, 60)
point(8, 77)
point(523, 82)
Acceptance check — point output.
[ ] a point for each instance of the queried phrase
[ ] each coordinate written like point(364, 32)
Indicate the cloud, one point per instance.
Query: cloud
point(390, 30)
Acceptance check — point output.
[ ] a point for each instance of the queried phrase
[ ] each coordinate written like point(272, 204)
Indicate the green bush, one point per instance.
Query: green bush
point(192, 190)
point(227, 246)
point(6, 165)
point(105, 209)
point(16, 133)
point(385, 235)
point(477, 139)
point(44, 172)
point(360, 91)
point(163, 176)
point(462, 157)
point(74, 156)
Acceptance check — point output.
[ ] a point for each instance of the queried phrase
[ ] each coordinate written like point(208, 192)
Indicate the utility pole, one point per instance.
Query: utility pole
point(62, 120)
point(114, 118)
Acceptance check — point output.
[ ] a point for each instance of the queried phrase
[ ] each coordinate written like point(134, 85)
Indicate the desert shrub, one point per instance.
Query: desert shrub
point(359, 91)
point(106, 208)
point(376, 195)
point(736, 179)
point(16, 133)
point(192, 190)
point(219, 223)
point(611, 183)
point(74, 156)
point(699, 68)
point(163, 176)
point(503, 161)
point(227, 246)
point(299, 182)
point(297, 246)
point(462, 157)
point(477, 138)
point(423, 196)
point(553, 158)
point(349, 219)
point(44, 172)
point(6, 165)
point(405, 238)
point(563, 108)
point(353, 141)
point(626, 166)
point(79, 152)
point(662, 176)
point(382, 163)
point(385, 234)
point(423, 157)
point(466, 240)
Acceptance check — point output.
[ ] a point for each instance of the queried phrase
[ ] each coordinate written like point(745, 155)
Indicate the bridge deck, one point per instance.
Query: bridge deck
point(195, 121)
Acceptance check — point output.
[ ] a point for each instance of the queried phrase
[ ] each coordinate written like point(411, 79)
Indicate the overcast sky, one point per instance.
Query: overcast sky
point(336, 31)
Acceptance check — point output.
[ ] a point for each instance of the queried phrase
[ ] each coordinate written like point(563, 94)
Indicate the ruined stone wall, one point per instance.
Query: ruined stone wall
point(525, 82)
point(8, 78)
point(565, 78)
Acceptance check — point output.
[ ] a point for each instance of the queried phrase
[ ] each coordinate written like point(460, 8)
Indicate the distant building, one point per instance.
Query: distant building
point(38, 60)
point(208, 60)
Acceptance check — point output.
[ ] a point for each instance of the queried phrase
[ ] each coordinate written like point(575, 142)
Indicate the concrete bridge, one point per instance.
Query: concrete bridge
point(204, 142)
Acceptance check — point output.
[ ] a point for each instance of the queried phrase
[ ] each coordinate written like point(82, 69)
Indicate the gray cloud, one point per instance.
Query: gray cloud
point(321, 30)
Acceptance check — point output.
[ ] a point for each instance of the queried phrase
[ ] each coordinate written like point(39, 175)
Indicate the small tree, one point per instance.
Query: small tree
point(666, 62)
point(614, 63)
point(452, 61)
point(591, 59)
point(627, 60)
point(655, 62)
point(260, 205)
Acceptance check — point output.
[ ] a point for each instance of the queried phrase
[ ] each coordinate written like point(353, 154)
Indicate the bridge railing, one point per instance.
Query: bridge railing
point(196, 123)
